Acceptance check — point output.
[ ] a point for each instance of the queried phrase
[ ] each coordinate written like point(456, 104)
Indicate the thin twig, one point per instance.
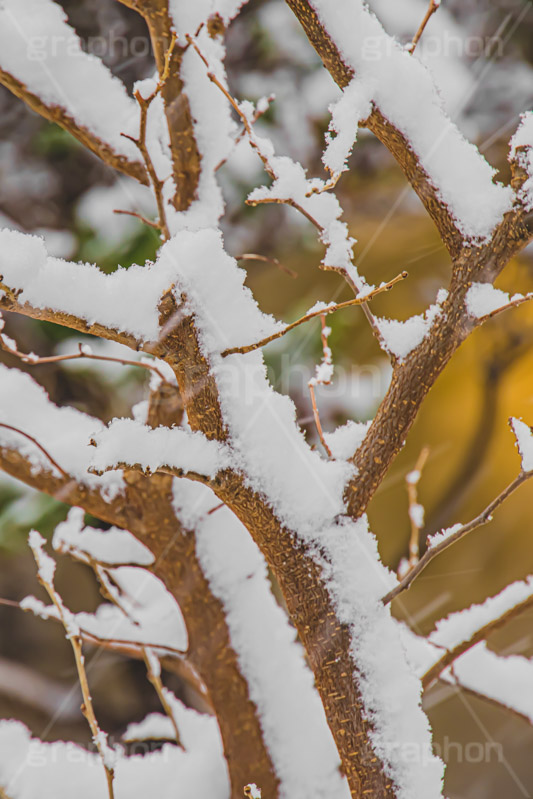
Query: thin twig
point(415, 509)
point(140, 141)
point(451, 655)
point(45, 576)
point(35, 360)
point(287, 200)
point(253, 256)
point(433, 6)
point(39, 446)
point(153, 671)
point(313, 314)
point(484, 517)
point(319, 379)
point(257, 115)
point(512, 304)
point(143, 219)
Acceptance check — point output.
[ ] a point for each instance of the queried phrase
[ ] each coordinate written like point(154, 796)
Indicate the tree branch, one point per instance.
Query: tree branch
point(432, 552)
point(59, 115)
point(481, 634)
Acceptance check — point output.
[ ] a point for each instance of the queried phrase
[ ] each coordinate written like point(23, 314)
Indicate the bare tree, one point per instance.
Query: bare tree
point(212, 478)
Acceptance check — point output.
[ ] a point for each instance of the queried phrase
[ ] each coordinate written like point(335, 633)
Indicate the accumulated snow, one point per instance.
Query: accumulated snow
point(346, 114)
point(483, 299)
point(524, 441)
point(155, 726)
point(60, 770)
point(401, 338)
point(214, 128)
point(460, 626)
point(64, 432)
point(280, 684)
point(45, 54)
point(522, 151)
point(390, 689)
point(406, 95)
point(345, 440)
point(443, 535)
point(126, 300)
point(508, 680)
point(112, 547)
point(305, 489)
point(148, 614)
point(128, 441)
point(46, 566)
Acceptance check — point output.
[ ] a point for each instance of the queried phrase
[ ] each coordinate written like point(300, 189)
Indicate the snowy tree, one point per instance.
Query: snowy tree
point(210, 480)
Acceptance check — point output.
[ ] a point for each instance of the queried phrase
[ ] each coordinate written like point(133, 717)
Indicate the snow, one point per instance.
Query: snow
point(524, 441)
point(46, 566)
point(44, 53)
point(405, 94)
point(483, 299)
point(126, 300)
point(416, 514)
point(63, 432)
point(148, 614)
point(459, 627)
point(155, 726)
point(346, 114)
point(508, 680)
point(401, 338)
point(111, 547)
point(390, 690)
point(96, 206)
point(280, 684)
point(30, 768)
point(443, 535)
point(522, 151)
point(345, 440)
point(128, 441)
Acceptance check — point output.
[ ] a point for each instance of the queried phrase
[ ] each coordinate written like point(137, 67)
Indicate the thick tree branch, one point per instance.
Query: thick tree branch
point(384, 130)
point(414, 376)
point(61, 116)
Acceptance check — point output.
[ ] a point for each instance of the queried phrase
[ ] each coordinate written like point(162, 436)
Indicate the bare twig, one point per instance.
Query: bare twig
point(433, 6)
point(451, 655)
point(252, 256)
point(248, 127)
point(149, 222)
point(140, 142)
point(39, 446)
point(45, 567)
point(416, 511)
point(35, 360)
point(313, 314)
point(153, 670)
point(512, 304)
point(484, 517)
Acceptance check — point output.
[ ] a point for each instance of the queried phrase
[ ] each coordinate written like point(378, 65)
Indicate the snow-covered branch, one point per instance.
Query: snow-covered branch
point(43, 62)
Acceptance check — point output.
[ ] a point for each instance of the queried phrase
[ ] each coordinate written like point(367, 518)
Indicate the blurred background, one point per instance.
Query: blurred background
point(481, 54)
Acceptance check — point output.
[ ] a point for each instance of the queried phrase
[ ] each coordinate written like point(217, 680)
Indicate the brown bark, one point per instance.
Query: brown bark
point(60, 116)
point(310, 607)
point(146, 511)
point(414, 377)
point(390, 136)
point(185, 154)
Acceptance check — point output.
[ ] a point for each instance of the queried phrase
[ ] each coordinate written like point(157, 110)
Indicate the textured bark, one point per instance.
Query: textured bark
point(146, 510)
point(185, 154)
point(60, 116)
point(327, 642)
point(390, 136)
point(414, 377)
